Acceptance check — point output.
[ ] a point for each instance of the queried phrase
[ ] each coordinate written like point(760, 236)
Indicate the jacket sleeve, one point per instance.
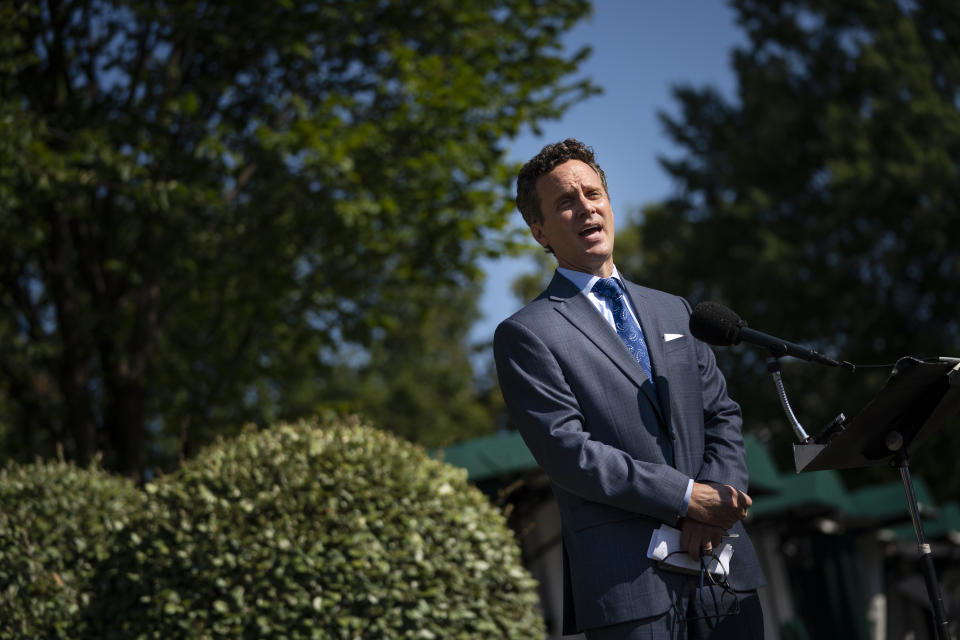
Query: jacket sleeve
point(545, 409)
point(724, 457)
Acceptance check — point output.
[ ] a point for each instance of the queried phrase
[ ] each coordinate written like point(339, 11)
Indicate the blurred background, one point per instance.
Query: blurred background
point(217, 214)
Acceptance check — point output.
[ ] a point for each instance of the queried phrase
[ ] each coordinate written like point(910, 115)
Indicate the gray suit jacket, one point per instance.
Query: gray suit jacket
point(584, 407)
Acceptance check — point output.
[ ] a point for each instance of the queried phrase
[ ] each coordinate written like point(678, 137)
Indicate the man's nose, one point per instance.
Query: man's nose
point(585, 205)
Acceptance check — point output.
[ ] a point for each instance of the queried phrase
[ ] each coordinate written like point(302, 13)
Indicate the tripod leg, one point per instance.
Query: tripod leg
point(926, 556)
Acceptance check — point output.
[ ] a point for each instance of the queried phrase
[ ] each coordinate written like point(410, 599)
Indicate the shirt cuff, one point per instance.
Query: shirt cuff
point(686, 500)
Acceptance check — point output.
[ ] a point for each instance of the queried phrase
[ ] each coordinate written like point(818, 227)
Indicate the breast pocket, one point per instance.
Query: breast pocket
point(673, 342)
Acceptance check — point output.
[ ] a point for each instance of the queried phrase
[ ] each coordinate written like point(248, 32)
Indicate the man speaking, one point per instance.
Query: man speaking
point(629, 417)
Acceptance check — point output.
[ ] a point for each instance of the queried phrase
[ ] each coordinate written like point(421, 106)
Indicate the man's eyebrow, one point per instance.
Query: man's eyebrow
point(565, 193)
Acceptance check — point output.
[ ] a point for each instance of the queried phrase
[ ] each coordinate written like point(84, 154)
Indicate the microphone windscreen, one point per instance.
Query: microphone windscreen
point(716, 324)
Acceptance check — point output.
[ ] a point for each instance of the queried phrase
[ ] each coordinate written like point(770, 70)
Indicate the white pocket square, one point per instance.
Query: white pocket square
point(667, 337)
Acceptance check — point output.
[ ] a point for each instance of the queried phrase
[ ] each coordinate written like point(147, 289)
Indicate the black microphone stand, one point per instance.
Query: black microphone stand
point(917, 398)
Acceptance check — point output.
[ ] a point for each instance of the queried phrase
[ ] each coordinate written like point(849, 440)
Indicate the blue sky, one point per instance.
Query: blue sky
point(641, 48)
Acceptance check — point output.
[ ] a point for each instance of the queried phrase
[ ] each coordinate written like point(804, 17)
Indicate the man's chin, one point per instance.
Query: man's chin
point(599, 254)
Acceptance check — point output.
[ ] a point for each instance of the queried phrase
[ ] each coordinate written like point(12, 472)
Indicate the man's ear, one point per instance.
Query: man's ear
point(537, 230)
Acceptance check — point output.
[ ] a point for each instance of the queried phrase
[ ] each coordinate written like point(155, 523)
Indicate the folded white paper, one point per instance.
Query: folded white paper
point(665, 549)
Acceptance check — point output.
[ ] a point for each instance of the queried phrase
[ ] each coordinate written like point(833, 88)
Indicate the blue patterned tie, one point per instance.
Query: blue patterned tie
point(627, 328)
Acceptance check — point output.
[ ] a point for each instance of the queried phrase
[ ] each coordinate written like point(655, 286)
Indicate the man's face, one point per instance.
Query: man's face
point(577, 218)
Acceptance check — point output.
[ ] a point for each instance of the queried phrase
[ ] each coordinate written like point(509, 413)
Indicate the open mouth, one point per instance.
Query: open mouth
point(589, 231)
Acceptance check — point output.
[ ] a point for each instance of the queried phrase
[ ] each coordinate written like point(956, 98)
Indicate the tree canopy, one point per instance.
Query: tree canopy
point(209, 208)
point(823, 203)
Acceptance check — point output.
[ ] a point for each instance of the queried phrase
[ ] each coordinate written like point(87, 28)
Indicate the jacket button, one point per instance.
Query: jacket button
point(673, 434)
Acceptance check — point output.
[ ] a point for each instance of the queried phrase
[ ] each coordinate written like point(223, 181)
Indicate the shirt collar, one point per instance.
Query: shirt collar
point(585, 281)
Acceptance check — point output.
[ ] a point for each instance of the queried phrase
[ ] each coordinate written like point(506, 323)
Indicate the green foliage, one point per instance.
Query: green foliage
point(301, 531)
point(824, 206)
point(305, 532)
point(208, 209)
point(57, 524)
point(528, 286)
point(418, 365)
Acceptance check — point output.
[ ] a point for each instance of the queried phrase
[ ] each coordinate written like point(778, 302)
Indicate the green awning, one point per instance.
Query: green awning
point(764, 477)
point(816, 493)
point(490, 456)
point(944, 524)
point(878, 505)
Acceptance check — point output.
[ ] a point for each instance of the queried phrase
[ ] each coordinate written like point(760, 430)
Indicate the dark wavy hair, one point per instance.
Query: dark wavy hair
point(550, 157)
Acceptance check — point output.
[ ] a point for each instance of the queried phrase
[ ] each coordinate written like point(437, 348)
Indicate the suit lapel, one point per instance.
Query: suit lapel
point(584, 316)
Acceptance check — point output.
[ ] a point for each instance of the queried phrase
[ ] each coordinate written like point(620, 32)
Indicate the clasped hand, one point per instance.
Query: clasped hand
point(714, 508)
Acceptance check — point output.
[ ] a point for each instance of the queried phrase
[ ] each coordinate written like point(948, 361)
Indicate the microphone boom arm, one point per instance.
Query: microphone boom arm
point(779, 348)
point(773, 366)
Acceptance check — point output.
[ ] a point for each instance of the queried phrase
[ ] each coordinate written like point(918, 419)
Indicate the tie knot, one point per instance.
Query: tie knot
point(608, 288)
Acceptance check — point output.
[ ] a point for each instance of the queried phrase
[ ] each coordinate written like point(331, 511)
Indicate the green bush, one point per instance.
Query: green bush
point(307, 531)
point(57, 524)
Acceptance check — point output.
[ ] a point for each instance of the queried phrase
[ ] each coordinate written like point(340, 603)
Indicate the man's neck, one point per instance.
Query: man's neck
point(603, 270)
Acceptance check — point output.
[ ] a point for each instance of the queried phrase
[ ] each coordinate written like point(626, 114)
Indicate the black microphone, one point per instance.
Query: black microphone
point(719, 325)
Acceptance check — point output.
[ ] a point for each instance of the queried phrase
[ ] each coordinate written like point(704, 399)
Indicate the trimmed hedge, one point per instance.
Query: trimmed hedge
point(310, 531)
point(57, 524)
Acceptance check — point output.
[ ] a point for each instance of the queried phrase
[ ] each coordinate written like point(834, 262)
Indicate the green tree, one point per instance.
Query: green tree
point(824, 203)
point(416, 366)
point(209, 208)
point(528, 286)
